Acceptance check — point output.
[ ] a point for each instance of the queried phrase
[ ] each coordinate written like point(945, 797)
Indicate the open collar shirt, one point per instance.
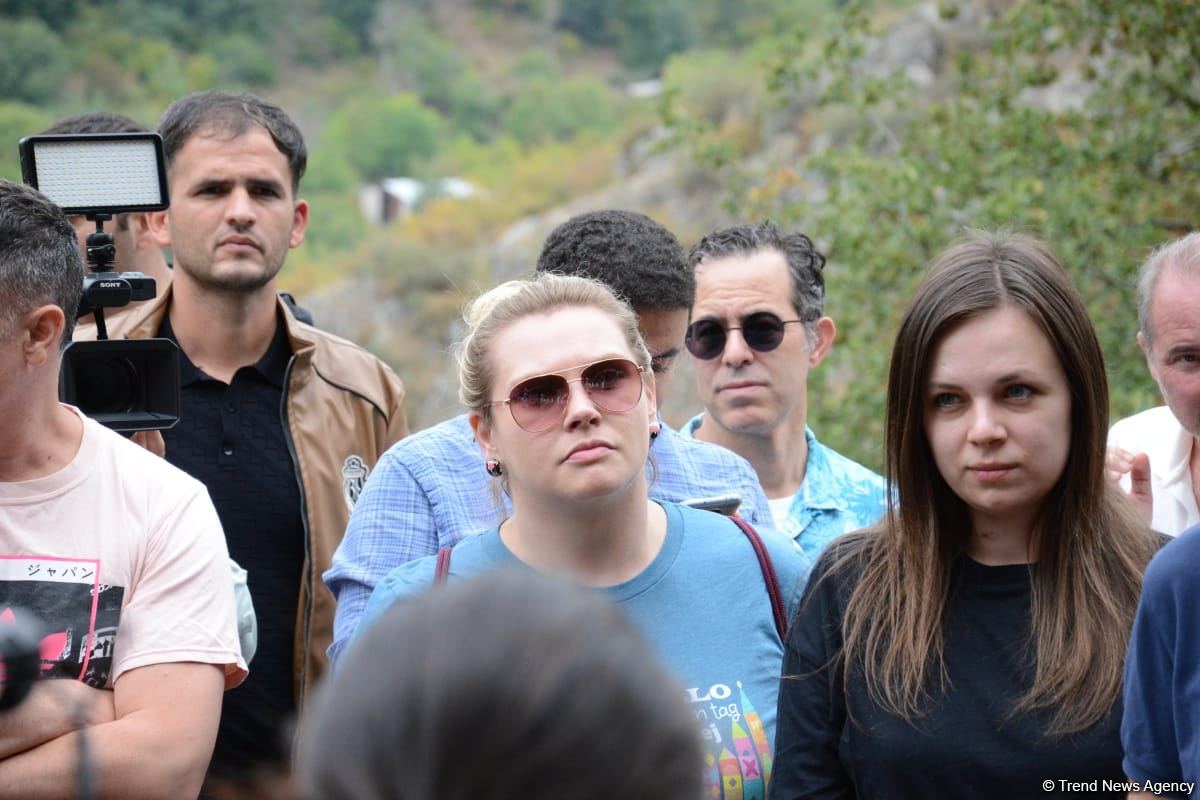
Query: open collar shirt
point(837, 496)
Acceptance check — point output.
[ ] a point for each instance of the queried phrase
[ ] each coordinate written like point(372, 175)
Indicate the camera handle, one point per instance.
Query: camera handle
point(101, 253)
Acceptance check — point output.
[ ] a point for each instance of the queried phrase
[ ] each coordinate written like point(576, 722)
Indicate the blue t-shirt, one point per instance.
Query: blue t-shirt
point(1160, 731)
point(703, 604)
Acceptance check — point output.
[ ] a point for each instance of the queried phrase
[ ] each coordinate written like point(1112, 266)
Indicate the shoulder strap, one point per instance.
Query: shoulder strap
point(442, 567)
point(768, 571)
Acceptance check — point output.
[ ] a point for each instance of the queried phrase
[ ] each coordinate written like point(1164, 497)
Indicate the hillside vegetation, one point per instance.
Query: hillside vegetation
point(880, 129)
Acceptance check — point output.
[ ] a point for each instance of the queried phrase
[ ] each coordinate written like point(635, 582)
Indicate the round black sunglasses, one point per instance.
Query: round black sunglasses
point(762, 330)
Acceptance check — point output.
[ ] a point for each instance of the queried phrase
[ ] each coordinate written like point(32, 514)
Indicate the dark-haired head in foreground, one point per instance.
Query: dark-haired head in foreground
point(504, 687)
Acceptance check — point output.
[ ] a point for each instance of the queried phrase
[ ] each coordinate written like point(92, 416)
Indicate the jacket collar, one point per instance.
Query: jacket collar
point(147, 321)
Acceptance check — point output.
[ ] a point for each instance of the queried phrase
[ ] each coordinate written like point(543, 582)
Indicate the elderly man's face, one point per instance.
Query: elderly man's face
point(1173, 351)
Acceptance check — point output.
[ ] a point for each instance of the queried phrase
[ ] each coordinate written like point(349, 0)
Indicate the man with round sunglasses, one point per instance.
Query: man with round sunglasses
point(757, 329)
point(432, 489)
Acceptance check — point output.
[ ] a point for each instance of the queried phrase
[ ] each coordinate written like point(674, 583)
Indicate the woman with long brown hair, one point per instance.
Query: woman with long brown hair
point(971, 645)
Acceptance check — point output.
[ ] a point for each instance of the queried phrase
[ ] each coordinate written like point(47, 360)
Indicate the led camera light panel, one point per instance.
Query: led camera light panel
point(106, 173)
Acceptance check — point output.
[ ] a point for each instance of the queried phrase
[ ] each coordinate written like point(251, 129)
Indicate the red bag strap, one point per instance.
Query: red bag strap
point(769, 578)
point(442, 567)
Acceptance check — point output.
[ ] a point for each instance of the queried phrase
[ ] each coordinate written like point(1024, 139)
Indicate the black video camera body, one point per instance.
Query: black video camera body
point(127, 385)
point(113, 290)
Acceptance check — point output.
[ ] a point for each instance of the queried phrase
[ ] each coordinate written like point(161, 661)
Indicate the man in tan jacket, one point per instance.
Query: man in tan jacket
point(281, 421)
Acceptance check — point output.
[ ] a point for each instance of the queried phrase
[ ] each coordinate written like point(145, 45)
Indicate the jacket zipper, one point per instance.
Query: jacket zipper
point(307, 577)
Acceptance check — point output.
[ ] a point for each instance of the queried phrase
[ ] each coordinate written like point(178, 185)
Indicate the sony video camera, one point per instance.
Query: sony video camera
point(126, 384)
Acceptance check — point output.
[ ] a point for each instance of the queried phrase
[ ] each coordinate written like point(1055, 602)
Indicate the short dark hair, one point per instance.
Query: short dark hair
point(97, 122)
point(40, 260)
point(806, 265)
point(640, 260)
point(506, 686)
point(232, 114)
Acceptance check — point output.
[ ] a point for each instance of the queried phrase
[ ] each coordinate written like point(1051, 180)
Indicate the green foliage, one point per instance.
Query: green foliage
point(418, 59)
point(241, 60)
point(649, 31)
point(329, 172)
point(32, 64)
point(55, 13)
point(385, 137)
point(473, 106)
point(321, 41)
point(335, 224)
point(545, 110)
point(355, 16)
point(590, 20)
point(17, 120)
point(1101, 181)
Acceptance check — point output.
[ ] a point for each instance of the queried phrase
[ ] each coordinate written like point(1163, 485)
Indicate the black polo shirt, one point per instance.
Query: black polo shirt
point(232, 438)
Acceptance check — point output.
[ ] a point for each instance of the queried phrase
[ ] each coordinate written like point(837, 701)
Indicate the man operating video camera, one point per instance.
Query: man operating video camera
point(118, 555)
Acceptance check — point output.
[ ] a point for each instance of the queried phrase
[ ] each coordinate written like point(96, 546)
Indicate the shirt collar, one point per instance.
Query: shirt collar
point(272, 366)
point(820, 488)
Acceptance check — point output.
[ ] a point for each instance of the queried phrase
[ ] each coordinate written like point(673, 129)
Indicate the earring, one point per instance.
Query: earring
point(493, 468)
point(654, 429)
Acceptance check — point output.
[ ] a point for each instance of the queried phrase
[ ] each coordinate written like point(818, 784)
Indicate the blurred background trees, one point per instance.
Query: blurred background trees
point(881, 129)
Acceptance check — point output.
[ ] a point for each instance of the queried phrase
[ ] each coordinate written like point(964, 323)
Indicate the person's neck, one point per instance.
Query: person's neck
point(998, 543)
point(39, 436)
point(222, 331)
point(779, 456)
point(153, 265)
point(602, 543)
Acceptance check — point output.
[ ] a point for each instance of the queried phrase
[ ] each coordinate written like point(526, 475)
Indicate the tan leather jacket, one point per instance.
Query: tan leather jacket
point(344, 409)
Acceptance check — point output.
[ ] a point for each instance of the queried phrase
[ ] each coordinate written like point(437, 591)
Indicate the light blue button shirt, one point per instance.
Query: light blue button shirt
point(429, 491)
point(838, 495)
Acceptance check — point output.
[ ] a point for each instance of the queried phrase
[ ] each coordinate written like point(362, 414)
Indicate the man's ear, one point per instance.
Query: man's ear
point(826, 332)
point(159, 230)
point(1144, 344)
point(299, 223)
point(139, 225)
point(41, 334)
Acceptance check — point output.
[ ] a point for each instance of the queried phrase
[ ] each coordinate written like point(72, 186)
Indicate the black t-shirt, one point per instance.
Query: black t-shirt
point(231, 437)
point(969, 744)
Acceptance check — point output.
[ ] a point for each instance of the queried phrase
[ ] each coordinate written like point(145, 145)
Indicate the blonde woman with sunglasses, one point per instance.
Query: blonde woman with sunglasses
point(560, 395)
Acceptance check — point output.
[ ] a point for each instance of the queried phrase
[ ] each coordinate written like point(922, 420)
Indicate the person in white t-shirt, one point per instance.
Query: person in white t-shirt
point(1156, 453)
point(118, 557)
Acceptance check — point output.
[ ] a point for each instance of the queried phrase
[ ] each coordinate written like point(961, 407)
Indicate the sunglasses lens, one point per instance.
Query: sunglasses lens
point(537, 403)
point(614, 386)
point(763, 331)
point(705, 339)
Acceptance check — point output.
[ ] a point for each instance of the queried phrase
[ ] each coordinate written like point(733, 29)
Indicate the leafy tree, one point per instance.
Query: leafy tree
point(543, 110)
point(356, 15)
point(242, 60)
point(386, 137)
point(590, 20)
point(33, 67)
point(648, 31)
point(17, 120)
point(55, 13)
point(1101, 172)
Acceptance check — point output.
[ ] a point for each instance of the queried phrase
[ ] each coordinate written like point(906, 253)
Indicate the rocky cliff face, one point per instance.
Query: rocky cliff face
point(413, 326)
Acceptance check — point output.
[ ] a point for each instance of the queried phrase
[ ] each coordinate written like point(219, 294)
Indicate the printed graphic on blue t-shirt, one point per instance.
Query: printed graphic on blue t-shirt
point(703, 604)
